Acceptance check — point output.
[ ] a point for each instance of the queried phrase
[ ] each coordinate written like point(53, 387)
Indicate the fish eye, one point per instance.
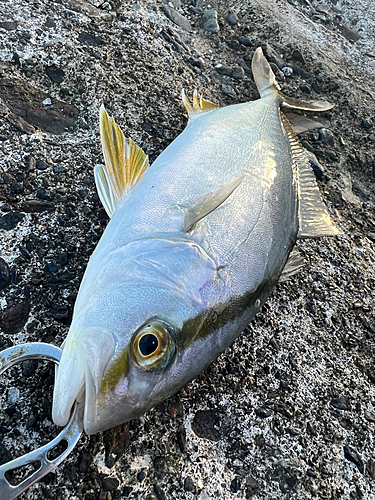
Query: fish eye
point(152, 346)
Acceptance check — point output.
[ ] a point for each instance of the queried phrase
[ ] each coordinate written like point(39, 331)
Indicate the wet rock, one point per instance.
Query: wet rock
point(235, 485)
point(305, 88)
point(273, 56)
point(208, 22)
point(25, 102)
point(348, 33)
point(189, 485)
point(9, 25)
point(55, 74)
point(110, 483)
point(14, 318)
point(10, 220)
point(36, 206)
point(208, 424)
point(90, 39)
point(232, 19)
point(326, 136)
point(5, 456)
point(245, 41)
point(341, 403)
point(29, 367)
point(371, 467)
point(177, 18)
point(4, 274)
point(352, 455)
point(366, 123)
point(228, 90)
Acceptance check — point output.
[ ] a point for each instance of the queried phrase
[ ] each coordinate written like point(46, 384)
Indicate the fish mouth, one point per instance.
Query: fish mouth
point(78, 376)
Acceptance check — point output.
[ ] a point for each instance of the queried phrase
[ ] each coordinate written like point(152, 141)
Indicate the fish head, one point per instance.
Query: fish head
point(126, 347)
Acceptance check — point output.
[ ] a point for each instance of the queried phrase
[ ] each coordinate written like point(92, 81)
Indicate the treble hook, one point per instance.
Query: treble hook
point(70, 434)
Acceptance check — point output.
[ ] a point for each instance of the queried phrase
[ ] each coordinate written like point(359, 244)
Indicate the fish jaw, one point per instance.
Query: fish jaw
point(83, 361)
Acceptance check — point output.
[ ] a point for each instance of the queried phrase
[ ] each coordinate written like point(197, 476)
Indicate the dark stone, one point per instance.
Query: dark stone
point(352, 455)
point(5, 456)
point(55, 74)
point(371, 468)
point(126, 491)
point(235, 485)
point(60, 170)
point(90, 39)
point(189, 485)
point(160, 495)
point(36, 206)
point(305, 88)
point(181, 439)
point(4, 274)
point(208, 424)
point(50, 268)
point(316, 88)
point(110, 483)
point(60, 311)
point(25, 103)
point(252, 486)
point(272, 56)
point(341, 403)
point(299, 71)
point(177, 18)
point(14, 318)
point(232, 19)
point(284, 409)
point(367, 124)
point(263, 412)
point(140, 476)
point(16, 188)
point(245, 41)
point(9, 25)
point(348, 33)
point(41, 165)
point(369, 416)
point(234, 45)
point(10, 220)
point(28, 367)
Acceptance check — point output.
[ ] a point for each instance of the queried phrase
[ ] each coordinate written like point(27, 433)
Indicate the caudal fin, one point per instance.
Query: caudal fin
point(266, 83)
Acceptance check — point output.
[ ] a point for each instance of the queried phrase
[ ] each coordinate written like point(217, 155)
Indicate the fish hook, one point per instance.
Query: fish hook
point(70, 434)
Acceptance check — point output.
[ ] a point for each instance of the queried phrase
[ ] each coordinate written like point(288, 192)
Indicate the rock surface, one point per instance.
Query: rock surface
point(288, 411)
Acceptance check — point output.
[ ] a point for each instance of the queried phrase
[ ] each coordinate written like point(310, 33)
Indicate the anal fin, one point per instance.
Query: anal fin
point(293, 265)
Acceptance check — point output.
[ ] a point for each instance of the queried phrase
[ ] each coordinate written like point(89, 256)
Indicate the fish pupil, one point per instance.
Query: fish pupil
point(148, 344)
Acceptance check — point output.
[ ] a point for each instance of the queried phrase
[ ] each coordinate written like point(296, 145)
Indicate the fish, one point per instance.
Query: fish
point(194, 246)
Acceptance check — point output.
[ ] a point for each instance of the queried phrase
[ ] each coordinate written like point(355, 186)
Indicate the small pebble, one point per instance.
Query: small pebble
point(232, 19)
point(287, 71)
point(4, 274)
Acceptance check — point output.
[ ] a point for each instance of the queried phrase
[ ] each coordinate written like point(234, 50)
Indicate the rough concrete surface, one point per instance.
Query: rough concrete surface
point(288, 412)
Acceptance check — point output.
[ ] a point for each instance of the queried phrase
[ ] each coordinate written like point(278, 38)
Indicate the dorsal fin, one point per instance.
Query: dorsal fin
point(266, 83)
point(313, 216)
point(209, 202)
point(125, 162)
point(199, 105)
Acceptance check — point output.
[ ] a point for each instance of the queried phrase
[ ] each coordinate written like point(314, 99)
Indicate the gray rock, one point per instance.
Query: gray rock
point(209, 23)
point(232, 19)
point(175, 3)
point(177, 18)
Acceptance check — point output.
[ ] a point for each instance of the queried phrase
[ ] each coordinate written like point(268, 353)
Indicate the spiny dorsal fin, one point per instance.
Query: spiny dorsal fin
point(293, 265)
point(209, 202)
point(199, 105)
point(266, 83)
point(125, 163)
point(313, 216)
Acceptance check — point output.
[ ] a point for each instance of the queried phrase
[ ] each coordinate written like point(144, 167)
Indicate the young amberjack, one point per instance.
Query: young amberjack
point(194, 246)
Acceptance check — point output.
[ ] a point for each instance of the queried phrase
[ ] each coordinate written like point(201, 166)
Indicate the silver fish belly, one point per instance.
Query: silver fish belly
point(194, 245)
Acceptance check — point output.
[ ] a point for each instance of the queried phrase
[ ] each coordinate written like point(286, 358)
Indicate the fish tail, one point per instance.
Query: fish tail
point(266, 83)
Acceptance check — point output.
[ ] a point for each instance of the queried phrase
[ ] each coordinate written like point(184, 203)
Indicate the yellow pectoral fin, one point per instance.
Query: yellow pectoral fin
point(125, 162)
